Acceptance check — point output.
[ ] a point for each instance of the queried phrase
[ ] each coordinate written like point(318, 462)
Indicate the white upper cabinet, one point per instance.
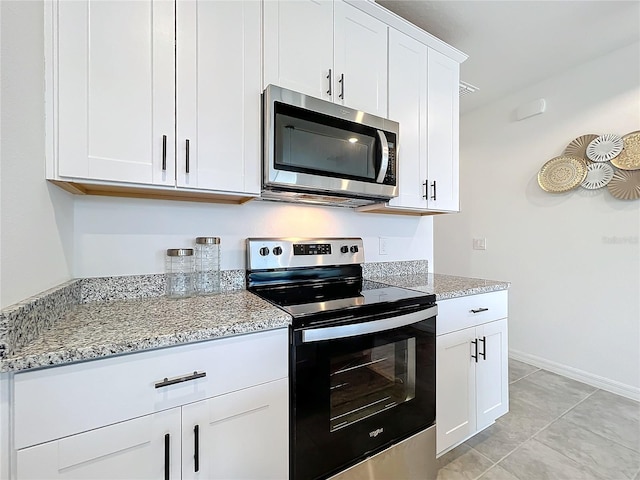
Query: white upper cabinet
point(115, 102)
point(130, 75)
point(218, 95)
point(408, 106)
point(424, 99)
point(327, 49)
point(298, 46)
point(360, 53)
point(443, 132)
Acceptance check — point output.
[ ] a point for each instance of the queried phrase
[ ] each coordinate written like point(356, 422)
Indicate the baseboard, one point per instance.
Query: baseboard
point(590, 379)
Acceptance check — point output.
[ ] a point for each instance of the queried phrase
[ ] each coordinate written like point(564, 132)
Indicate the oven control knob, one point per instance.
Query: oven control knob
point(344, 249)
point(277, 250)
point(264, 251)
point(354, 249)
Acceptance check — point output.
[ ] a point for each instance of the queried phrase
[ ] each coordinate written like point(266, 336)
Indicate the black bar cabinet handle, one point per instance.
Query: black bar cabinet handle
point(172, 381)
point(424, 184)
point(167, 442)
point(329, 78)
point(196, 448)
point(433, 197)
point(475, 349)
point(341, 81)
point(484, 348)
point(478, 310)
point(187, 156)
point(164, 153)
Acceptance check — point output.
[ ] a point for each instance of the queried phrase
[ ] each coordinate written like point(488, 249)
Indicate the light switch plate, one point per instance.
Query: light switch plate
point(479, 243)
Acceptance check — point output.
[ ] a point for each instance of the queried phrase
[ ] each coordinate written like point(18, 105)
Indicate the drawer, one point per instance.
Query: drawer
point(60, 401)
point(463, 312)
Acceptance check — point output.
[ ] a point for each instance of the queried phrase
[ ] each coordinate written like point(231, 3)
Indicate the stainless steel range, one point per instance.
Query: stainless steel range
point(362, 361)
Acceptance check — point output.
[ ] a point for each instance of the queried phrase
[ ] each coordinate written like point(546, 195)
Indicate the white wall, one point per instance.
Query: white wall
point(117, 236)
point(36, 219)
point(573, 259)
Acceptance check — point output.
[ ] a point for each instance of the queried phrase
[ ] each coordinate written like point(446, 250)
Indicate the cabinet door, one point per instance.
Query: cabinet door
point(116, 90)
point(218, 95)
point(443, 126)
point(408, 106)
point(455, 388)
point(360, 60)
point(241, 435)
point(142, 448)
point(298, 45)
point(492, 376)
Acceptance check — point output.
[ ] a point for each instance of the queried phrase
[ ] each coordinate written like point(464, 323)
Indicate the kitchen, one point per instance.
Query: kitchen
point(59, 236)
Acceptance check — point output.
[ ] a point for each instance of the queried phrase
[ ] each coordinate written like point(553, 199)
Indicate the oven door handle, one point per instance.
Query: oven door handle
point(351, 330)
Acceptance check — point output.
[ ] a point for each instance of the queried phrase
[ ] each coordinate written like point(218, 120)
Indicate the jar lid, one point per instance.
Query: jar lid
point(179, 252)
point(207, 240)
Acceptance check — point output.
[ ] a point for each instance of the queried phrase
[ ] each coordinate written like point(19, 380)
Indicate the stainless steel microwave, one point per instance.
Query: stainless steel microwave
point(320, 152)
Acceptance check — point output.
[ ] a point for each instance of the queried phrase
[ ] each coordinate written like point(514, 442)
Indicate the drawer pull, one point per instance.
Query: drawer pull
point(478, 310)
point(172, 381)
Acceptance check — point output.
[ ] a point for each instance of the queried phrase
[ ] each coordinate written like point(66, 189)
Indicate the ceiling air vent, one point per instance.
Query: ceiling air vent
point(467, 88)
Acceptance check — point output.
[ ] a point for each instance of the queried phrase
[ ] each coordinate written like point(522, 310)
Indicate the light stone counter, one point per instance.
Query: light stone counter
point(96, 318)
point(444, 286)
point(101, 329)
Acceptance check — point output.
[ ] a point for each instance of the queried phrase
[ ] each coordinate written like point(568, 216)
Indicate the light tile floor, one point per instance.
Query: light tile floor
point(556, 429)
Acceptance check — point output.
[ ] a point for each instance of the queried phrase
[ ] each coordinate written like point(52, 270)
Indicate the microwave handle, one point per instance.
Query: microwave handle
point(385, 156)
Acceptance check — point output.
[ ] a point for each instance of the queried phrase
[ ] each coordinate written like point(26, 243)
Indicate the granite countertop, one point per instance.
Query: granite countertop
point(113, 323)
point(101, 329)
point(444, 286)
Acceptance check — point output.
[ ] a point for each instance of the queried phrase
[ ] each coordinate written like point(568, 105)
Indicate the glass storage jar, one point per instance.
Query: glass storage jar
point(207, 265)
point(179, 269)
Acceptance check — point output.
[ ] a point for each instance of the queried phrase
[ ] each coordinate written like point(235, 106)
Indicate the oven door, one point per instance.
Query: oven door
point(359, 388)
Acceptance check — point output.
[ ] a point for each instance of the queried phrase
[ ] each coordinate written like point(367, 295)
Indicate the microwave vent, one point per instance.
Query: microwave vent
point(466, 88)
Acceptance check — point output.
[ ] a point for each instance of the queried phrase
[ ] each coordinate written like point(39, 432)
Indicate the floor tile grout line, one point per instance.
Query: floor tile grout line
point(541, 429)
point(590, 469)
point(525, 376)
point(599, 433)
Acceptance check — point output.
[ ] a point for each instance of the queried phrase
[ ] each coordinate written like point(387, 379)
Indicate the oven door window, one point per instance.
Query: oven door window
point(370, 381)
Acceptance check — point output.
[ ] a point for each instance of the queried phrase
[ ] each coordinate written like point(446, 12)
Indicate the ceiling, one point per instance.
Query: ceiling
point(513, 44)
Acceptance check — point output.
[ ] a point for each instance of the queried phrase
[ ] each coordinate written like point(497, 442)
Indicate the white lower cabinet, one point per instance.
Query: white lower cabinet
point(211, 439)
point(211, 410)
point(134, 449)
point(472, 366)
point(241, 435)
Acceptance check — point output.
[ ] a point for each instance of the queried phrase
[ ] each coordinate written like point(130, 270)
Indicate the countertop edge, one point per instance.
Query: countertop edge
point(59, 358)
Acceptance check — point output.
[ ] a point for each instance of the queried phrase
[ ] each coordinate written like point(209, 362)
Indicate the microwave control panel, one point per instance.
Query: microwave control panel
point(390, 176)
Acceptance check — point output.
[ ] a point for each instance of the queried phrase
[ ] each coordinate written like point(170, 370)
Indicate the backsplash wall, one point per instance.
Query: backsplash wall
point(119, 236)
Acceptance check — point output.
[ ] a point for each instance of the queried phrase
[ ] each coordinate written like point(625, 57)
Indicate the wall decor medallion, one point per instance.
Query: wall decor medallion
point(629, 158)
point(561, 174)
point(578, 147)
point(604, 148)
point(595, 161)
point(625, 184)
point(598, 175)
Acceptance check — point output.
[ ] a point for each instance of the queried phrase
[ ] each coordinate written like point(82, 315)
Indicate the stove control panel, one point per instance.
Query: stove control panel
point(271, 253)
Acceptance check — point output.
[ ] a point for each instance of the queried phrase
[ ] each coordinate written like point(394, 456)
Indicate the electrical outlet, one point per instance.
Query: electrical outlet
point(479, 243)
point(383, 246)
